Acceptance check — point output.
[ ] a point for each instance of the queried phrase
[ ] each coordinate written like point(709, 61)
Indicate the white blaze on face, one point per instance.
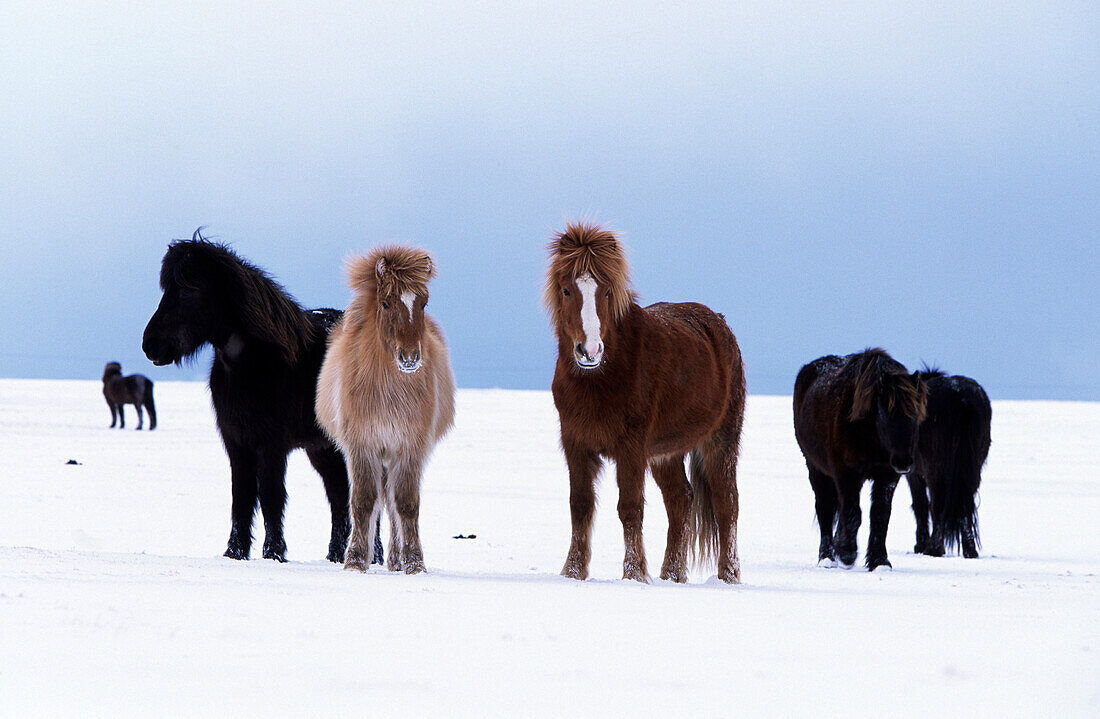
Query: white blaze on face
point(408, 298)
point(590, 320)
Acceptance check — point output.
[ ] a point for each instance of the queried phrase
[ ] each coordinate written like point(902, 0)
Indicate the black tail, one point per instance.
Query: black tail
point(966, 447)
point(149, 406)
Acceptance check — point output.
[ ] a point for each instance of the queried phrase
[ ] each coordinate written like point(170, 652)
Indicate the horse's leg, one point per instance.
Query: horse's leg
point(121, 416)
point(825, 504)
point(882, 497)
point(669, 474)
point(404, 490)
point(851, 516)
point(394, 560)
point(151, 407)
point(630, 475)
point(329, 463)
point(141, 416)
point(272, 478)
point(584, 466)
point(936, 488)
point(242, 464)
point(366, 504)
point(114, 413)
point(920, 509)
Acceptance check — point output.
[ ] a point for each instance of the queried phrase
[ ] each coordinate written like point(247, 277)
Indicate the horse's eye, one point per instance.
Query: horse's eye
point(565, 291)
point(607, 294)
point(184, 294)
point(385, 305)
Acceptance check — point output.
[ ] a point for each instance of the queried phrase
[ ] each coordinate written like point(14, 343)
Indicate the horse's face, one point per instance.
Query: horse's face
point(583, 316)
point(897, 423)
point(112, 369)
point(401, 319)
point(182, 324)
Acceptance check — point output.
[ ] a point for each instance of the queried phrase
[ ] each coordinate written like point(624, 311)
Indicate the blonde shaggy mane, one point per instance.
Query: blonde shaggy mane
point(585, 248)
point(391, 271)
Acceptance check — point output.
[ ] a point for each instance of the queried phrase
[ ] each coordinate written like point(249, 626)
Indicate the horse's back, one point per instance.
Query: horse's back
point(957, 406)
point(821, 368)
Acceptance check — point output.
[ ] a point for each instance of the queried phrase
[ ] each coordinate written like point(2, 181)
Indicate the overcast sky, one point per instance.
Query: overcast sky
point(830, 176)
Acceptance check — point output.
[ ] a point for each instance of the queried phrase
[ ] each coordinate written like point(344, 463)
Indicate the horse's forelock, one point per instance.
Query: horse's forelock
point(585, 248)
point(391, 271)
point(879, 372)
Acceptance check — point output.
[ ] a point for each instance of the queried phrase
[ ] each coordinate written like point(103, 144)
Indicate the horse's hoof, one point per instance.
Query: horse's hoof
point(236, 553)
point(414, 568)
point(674, 575)
point(874, 563)
point(848, 560)
point(278, 557)
point(730, 576)
point(970, 553)
point(358, 565)
point(827, 562)
point(934, 551)
point(335, 555)
point(574, 570)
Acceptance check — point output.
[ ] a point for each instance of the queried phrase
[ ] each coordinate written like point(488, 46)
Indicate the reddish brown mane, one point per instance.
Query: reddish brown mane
point(586, 248)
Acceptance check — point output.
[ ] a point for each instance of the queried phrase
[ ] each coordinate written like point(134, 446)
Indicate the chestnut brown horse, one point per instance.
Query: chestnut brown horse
point(386, 396)
point(644, 387)
point(856, 418)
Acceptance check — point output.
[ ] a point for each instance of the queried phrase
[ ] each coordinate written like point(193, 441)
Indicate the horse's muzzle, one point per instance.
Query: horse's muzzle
point(585, 360)
point(409, 363)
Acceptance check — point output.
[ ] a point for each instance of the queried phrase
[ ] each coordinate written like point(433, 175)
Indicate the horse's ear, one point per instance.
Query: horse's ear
point(429, 264)
point(380, 268)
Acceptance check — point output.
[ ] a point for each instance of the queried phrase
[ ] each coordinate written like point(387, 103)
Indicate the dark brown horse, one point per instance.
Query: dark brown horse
point(644, 387)
point(953, 445)
point(135, 389)
point(856, 418)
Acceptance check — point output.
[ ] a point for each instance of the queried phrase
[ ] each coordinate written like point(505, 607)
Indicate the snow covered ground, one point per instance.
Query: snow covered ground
point(115, 600)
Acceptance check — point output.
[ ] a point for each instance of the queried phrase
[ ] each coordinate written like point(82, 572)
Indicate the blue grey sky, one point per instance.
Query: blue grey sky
point(918, 176)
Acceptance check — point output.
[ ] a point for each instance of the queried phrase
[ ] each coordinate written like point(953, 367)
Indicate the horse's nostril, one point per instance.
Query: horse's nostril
point(579, 349)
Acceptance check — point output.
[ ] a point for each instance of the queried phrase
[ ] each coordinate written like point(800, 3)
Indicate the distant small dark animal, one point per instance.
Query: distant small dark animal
point(856, 418)
point(953, 445)
point(132, 389)
point(267, 354)
point(644, 387)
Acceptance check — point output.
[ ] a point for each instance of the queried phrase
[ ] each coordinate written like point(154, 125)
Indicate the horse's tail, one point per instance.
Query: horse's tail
point(966, 451)
point(702, 529)
point(150, 407)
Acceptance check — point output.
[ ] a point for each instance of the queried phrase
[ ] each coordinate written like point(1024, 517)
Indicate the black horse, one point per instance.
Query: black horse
point(267, 354)
point(953, 445)
point(135, 389)
point(856, 418)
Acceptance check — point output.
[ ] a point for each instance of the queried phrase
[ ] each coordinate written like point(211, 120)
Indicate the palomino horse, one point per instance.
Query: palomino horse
point(952, 447)
point(135, 389)
point(856, 417)
point(644, 386)
point(267, 352)
point(386, 396)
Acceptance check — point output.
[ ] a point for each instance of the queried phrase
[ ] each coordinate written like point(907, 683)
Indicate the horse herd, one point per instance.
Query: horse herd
point(369, 392)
